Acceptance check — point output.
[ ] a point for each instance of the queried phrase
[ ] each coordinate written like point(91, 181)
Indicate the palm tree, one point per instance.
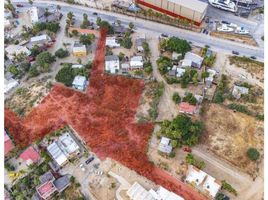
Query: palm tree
point(30, 2)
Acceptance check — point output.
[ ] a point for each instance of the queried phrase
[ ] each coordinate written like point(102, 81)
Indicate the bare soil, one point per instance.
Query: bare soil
point(235, 37)
point(229, 134)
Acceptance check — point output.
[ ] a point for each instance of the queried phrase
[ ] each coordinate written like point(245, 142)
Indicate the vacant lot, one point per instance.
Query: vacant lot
point(229, 134)
point(235, 37)
point(25, 98)
point(255, 68)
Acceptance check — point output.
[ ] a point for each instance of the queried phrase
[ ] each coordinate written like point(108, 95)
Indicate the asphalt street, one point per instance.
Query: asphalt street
point(154, 28)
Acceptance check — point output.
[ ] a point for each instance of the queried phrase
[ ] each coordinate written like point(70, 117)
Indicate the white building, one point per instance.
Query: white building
point(136, 62)
point(9, 85)
point(210, 79)
point(112, 42)
point(202, 181)
point(35, 14)
point(175, 55)
point(192, 60)
point(77, 66)
point(180, 72)
point(79, 83)
point(164, 145)
point(112, 64)
point(15, 50)
point(57, 154)
point(7, 23)
point(238, 91)
point(138, 192)
point(68, 144)
point(41, 39)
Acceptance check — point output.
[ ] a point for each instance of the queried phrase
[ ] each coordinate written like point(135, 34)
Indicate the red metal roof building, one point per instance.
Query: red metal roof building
point(187, 108)
point(46, 190)
point(30, 155)
point(8, 144)
point(192, 10)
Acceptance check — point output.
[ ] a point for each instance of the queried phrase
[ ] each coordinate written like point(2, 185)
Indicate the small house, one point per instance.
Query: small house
point(36, 14)
point(193, 60)
point(46, 190)
point(180, 72)
point(14, 50)
point(40, 40)
point(139, 44)
point(165, 145)
point(57, 153)
point(238, 91)
point(10, 84)
point(125, 67)
point(172, 73)
point(112, 42)
point(30, 156)
point(8, 146)
point(112, 64)
point(209, 80)
point(79, 83)
point(79, 49)
point(187, 108)
point(136, 62)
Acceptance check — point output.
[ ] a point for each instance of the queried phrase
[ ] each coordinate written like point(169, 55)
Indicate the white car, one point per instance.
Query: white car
point(82, 167)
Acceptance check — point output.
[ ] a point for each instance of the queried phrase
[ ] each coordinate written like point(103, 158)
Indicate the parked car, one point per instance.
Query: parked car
point(82, 167)
point(225, 22)
point(253, 57)
point(164, 35)
point(19, 5)
point(235, 52)
point(187, 149)
point(95, 13)
point(89, 160)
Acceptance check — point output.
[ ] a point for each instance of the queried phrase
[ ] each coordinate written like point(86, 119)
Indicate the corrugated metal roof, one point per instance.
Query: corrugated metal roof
point(195, 5)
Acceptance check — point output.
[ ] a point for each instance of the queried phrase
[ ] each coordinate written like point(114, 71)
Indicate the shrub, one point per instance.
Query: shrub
point(65, 75)
point(176, 97)
point(190, 99)
point(239, 108)
point(61, 53)
point(228, 187)
point(253, 154)
point(172, 154)
point(163, 63)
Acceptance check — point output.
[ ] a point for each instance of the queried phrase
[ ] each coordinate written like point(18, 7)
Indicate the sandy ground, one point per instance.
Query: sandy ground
point(231, 137)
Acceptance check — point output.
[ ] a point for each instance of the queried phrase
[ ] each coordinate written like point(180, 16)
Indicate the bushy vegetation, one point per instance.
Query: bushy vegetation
point(157, 93)
point(87, 39)
point(190, 99)
point(126, 42)
point(176, 97)
point(253, 154)
point(163, 63)
point(189, 76)
point(176, 44)
point(53, 27)
point(67, 74)
point(228, 187)
point(182, 129)
point(191, 160)
point(222, 89)
point(148, 69)
point(44, 59)
point(106, 25)
point(239, 108)
point(61, 53)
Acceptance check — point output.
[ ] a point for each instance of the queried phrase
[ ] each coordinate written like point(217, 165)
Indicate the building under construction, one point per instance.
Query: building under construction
point(193, 10)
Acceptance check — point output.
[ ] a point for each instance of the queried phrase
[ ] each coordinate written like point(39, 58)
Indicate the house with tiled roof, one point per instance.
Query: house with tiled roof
point(30, 156)
point(8, 144)
point(46, 190)
point(187, 108)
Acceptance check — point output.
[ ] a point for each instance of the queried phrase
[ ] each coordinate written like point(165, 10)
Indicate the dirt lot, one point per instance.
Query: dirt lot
point(72, 192)
point(255, 68)
point(230, 137)
point(24, 98)
point(233, 37)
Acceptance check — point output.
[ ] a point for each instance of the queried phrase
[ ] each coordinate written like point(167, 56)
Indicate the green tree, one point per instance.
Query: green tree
point(106, 25)
point(13, 70)
point(25, 66)
point(61, 53)
point(53, 27)
point(176, 97)
point(44, 59)
point(253, 154)
point(85, 22)
point(33, 71)
point(146, 49)
point(205, 75)
point(131, 25)
point(98, 21)
point(177, 45)
point(30, 2)
point(65, 75)
point(228, 187)
point(75, 33)
point(163, 63)
point(87, 39)
point(121, 56)
point(190, 99)
point(148, 69)
point(220, 196)
point(126, 42)
point(70, 18)
point(35, 50)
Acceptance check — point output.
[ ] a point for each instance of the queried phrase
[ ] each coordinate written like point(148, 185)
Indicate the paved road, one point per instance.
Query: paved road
point(216, 44)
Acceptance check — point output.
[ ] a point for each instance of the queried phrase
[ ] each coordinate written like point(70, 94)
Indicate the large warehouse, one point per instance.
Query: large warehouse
point(193, 10)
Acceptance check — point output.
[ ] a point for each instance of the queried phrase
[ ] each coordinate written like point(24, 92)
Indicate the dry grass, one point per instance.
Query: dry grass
point(25, 98)
point(229, 134)
point(253, 67)
point(234, 37)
